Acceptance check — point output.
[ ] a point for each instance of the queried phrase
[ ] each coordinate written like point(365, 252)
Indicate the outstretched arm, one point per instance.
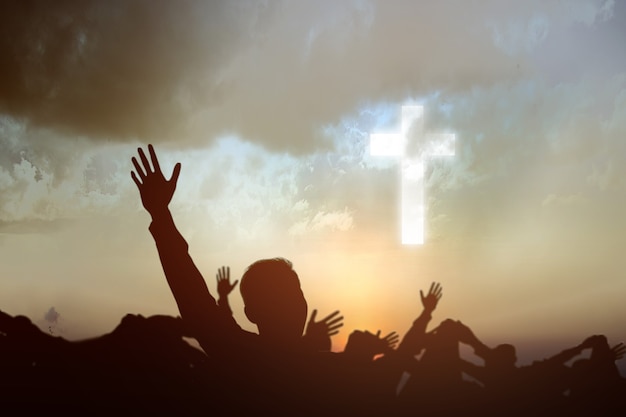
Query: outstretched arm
point(568, 354)
point(468, 337)
point(196, 305)
point(413, 341)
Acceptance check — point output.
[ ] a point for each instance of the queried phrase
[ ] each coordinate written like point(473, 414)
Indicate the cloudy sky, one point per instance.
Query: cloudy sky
point(269, 106)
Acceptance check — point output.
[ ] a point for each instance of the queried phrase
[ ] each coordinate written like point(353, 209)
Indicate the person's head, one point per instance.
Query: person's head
point(273, 300)
point(503, 356)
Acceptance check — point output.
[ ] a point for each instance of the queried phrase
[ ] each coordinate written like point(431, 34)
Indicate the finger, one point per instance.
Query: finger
point(333, 333)
point(432, 287)
point(235, 284)
point(153, 158)
point(335, 328)
point(134, 177)
point(228, 272)
point(175, 173)
point(378, 334)
point(331, 315)
point(144, 161)
point(335, 321)
point(422, 294)
point(391, 337)
point(142, 175)
point(313, 315)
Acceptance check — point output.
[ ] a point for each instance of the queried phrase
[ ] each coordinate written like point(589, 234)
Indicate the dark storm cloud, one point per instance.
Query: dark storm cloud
point(113, 69)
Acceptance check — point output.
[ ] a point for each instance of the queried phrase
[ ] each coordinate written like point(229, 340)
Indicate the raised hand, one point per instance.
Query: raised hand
point(618, 351)
point(318, 333)
point(390, 341)
point(365, 345)
point(432, 298)
point(224, 287)
point(156, 192)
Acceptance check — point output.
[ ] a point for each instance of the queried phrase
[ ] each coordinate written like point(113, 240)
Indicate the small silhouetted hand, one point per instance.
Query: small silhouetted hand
point(430, 300)
point(156, 192)
point(390, 341)
point(363, 345)
point(318, 333)
point(224, 287)
point(618, 351)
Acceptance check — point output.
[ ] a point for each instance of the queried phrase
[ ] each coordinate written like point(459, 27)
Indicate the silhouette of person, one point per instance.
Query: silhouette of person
point(269, 371)
point(538, 388)
point(596, 387)
point(317, 335)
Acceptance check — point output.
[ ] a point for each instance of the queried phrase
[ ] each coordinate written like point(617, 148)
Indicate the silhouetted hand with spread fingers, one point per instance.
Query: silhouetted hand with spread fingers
point(618, 351)
point(318, 333)
point(431, 299)
point(363, 345)
point(156, 191)
point(224, 287)
point(414, 339)
point(390, 341)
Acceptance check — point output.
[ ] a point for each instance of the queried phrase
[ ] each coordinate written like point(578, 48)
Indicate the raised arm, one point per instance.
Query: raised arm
point(467, 336)
point(568, 354)
point(196, 305)
point(413, 341)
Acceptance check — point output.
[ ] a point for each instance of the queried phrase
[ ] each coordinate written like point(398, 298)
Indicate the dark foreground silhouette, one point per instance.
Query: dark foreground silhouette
point(146, 366)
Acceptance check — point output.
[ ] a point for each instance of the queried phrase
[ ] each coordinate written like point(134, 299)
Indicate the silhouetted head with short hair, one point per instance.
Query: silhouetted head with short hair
point(503, 356)
point(274, 301)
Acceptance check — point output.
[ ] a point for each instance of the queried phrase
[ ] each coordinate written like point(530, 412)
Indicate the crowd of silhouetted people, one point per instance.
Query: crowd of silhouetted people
point(146, 367)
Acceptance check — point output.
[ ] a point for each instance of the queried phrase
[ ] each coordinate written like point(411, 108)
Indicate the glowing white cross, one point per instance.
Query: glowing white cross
point(412, 154)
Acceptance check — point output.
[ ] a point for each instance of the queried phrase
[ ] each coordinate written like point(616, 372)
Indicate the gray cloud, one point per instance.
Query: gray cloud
point(304, 78)
point(273, 71)
point(114, 69)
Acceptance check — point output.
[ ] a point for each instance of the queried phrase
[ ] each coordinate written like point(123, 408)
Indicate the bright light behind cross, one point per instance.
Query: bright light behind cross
point(413, 148)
